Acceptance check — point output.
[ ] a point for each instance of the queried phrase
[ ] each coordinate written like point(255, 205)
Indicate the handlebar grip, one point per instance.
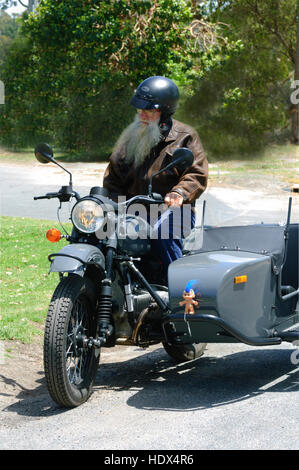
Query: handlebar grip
point(154, 198)
point(157, 197)
point(47, 196)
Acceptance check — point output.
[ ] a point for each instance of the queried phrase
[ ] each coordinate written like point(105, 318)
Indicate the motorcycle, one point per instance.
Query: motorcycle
point(233, 284)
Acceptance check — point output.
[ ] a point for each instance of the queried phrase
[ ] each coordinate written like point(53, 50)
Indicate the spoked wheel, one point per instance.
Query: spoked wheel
point(70, 365)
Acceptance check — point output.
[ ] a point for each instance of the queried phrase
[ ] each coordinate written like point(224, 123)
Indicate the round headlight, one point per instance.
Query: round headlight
point(87, 216)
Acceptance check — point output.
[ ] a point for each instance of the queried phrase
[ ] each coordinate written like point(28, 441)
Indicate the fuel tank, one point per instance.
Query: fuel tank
point(232, 291)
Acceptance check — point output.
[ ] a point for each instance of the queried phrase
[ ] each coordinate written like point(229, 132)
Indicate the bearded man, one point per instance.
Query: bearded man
point(144, 148)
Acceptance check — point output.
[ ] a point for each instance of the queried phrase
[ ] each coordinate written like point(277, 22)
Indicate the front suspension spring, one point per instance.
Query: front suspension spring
point(104, 311)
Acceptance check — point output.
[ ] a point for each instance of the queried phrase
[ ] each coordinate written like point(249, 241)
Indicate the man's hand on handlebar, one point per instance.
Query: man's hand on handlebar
point(173, 199)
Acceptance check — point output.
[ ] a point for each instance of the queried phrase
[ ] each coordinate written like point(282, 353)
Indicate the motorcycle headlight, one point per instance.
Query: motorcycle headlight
point(88, 216)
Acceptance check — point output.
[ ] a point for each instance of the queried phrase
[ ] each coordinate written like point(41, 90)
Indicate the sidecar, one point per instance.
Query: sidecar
point(239, 285)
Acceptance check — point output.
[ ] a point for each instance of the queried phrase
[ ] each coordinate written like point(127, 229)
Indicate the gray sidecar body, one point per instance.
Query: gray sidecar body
point(239, 285)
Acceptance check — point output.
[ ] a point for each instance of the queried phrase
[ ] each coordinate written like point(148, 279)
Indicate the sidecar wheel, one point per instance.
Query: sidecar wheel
point(185, 352)
point(70, 368)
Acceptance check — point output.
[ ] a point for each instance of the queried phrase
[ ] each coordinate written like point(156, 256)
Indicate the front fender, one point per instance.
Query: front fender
point(76, 255)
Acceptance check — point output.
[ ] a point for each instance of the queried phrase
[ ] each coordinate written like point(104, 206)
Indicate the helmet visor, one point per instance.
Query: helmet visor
point(140, 102)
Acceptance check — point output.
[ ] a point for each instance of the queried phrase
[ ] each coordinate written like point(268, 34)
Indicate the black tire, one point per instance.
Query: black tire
point(185, 352)
point(70, 377)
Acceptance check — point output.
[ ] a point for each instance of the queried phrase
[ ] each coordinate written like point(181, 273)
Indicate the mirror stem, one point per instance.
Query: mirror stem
point(150, 186)
point(71, 177)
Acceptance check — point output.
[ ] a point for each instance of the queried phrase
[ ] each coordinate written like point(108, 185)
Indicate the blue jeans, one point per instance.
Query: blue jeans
point(168, 231)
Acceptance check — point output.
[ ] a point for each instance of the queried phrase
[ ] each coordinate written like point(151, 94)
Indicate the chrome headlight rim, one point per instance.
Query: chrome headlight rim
point(97, 224)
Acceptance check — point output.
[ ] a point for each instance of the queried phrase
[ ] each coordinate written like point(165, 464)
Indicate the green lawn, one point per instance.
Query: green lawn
point(25, 286)
point(281, 162)
point(26, 156)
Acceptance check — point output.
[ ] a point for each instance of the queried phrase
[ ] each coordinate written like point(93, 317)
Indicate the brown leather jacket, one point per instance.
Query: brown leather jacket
point(122, 179)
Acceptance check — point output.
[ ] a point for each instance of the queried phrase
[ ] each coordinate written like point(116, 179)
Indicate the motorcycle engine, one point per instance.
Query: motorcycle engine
point(143, 300)
point(140, 302)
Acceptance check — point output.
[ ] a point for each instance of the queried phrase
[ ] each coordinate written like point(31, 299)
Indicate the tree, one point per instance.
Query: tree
point(8, 25)
point(30, 5)
point(241, 103)
point(81, 61)
point(8, 31)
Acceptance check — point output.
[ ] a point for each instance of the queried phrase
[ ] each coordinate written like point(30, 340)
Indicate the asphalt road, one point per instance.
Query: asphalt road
point(225, 206)
point(234, 397)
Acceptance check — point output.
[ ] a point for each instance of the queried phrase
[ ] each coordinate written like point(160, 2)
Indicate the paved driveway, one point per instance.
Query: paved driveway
point(225, 205)
point(234, 397)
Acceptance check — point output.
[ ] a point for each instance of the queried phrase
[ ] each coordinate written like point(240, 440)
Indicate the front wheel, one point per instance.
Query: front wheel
point(185, 352)
point(70, 366)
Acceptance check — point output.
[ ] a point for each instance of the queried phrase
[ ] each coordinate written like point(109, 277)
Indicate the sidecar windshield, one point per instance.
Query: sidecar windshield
point(227, 228)
point(228, 207)
point(263, 239)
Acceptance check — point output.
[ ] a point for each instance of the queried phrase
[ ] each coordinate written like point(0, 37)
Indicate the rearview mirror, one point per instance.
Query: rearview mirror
point(43, 153)
point(182, 158)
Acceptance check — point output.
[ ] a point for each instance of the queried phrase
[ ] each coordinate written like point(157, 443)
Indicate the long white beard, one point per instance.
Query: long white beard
point(139, 139)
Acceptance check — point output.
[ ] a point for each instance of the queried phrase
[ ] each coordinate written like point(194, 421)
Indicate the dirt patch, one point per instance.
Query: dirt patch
point(23, 391)
point(22, 383)
point(21, 369)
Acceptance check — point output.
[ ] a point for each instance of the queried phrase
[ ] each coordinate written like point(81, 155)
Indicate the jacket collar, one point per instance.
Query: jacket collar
point(172, 135)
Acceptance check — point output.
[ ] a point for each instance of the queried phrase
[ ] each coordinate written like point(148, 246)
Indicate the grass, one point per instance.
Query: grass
point(278, 161)
point(25, 156)
point(25, 287)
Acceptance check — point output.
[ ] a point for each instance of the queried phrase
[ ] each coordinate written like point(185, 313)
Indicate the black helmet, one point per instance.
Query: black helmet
point(156, 93)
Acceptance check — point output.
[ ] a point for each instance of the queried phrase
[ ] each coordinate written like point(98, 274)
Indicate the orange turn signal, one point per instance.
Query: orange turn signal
point(240, 279)
point(53, 235)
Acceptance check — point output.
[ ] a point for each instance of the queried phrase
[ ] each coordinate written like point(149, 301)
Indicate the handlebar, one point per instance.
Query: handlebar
point(47, 196)
point(63, 195)
point(153, 199)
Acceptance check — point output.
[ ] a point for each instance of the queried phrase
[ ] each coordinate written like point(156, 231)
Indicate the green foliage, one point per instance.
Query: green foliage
point(21, 115)
point(244, 100)
point(28, 4)
point(79, 62)
point(8, 26)
point(4, 4)
point(8, 31)
point(71, 70)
